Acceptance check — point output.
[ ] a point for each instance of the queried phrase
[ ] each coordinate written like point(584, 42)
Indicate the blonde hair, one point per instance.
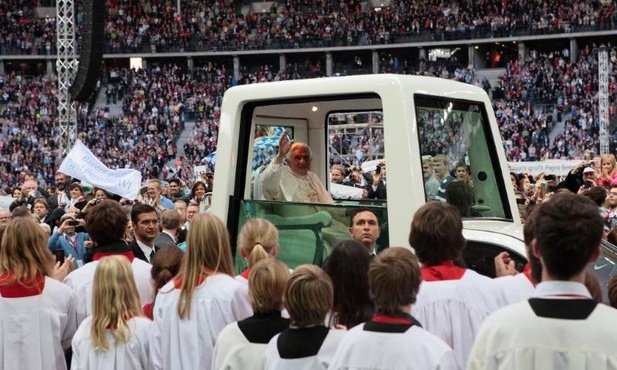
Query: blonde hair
point(308, 295)
point(207, 252)
point(114, 301)
point(267, 285)
point(608, 158)
point(258, 239)
point(24, 252)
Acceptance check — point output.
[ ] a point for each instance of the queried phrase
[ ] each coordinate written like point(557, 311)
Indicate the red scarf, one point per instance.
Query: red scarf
point(444, 271)
point(246, 273)
point(129, 255)
point(200, 279)
point(22, 288)
point(527, 272)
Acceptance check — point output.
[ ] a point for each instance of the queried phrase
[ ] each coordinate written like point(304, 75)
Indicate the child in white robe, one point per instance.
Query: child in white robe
point(308, 343)
point(192, 309)
point(38, 312)
point(242, 345)
point(453, 301)
point(115, 337)
point(393, 339)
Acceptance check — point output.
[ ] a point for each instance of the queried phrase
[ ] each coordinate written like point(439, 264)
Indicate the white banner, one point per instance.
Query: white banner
point(82, 164)
point(5, 202)
point(339, 191)
point(550, 167)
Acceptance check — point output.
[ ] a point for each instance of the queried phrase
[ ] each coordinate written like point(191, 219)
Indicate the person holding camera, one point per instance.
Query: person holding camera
point(582, 176)
point(377, 188)
point(72, 243)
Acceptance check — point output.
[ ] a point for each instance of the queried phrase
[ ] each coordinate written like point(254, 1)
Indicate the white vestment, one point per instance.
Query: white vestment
point(454, 309)
point(133, 355)
point(234, 351)
point(414, 349)
point(81, 281)
point(189, 343)
point(319, 361)
point(279, 182)
point(513, 289)
point(515, 338)
point(37, 329)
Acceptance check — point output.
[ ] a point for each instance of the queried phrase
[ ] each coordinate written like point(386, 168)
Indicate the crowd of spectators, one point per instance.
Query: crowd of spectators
point(531, 97)
point(226, 25)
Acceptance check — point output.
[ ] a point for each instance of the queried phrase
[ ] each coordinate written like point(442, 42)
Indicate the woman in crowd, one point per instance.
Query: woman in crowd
point(259, 239)
point(16, 192)
point(38, 312)
point(115, 337)
point(308, 343)
point(347, 267)
point(198, 196)
point(76, 197)
point(242, 345)
point(609, 170)
point(165, 266)
point(192, 309)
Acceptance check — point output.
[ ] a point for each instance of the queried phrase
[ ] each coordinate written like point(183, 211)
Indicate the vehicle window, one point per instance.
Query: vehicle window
point(459, 158)
point(307, 232)
point(480, 257)
point(356, 156)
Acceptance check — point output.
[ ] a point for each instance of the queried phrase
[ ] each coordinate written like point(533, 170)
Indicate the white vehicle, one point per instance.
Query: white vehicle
point(397, 119)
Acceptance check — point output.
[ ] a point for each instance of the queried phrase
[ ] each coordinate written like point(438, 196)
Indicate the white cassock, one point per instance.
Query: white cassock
point(279, 182)
point(189, 343)
point(236, 349)
point(529, 336)
point(320, 360)
point(513, 289)
point(36, 329)
point(454, 309)
point(82, 278)
point(415, 348)
point(133, 355)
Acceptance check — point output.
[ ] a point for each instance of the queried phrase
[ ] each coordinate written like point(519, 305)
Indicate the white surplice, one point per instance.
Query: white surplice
point(319, 361)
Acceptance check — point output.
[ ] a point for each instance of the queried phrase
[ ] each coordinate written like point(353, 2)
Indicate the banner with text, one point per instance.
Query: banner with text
point(82, 164)
point(556, 167)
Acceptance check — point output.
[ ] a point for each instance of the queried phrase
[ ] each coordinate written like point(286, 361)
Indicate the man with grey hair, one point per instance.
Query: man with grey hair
point(294, 182)
point(170, 222)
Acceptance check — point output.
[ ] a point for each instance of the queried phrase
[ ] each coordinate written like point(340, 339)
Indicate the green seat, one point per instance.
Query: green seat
point(301, 237)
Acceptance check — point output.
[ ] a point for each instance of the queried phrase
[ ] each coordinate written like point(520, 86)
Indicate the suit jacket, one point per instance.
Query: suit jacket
point(53, 200)
point(163, 240)
point(137, 251)
point(59, 241)
point(380, 193)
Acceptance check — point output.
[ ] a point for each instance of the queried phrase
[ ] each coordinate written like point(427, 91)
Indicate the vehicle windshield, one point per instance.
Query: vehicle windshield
point(459, 161)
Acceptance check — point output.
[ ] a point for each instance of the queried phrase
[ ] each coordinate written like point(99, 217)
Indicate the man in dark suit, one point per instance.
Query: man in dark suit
point(170, 221)
point(364, 228)
point(377, 189)
point(61, 196)
point(145, 221)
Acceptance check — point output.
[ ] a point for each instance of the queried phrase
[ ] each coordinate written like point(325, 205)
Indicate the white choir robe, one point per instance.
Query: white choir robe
point(177, 344)
point(133, 355)
point(234, 351)
point(414, 349)
point(37, 329)
point(515, 338)
point(453, 310)
point(81, 281)
point(513, 289)
point(319, 361)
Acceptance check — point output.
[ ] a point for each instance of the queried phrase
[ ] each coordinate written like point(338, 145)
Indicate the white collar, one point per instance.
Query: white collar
point(561, 289)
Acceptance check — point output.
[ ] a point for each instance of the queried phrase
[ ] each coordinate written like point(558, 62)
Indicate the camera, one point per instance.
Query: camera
point(542, 184)
point(59, 253)
point(587, 184)
point(73, 223)
point(378, 170)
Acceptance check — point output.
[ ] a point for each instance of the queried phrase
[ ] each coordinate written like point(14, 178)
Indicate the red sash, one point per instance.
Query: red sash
point(444, 271)
point(246, 273)
point(200, 279)
point(527, 272)
point(128, 254)
point(22, 288)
